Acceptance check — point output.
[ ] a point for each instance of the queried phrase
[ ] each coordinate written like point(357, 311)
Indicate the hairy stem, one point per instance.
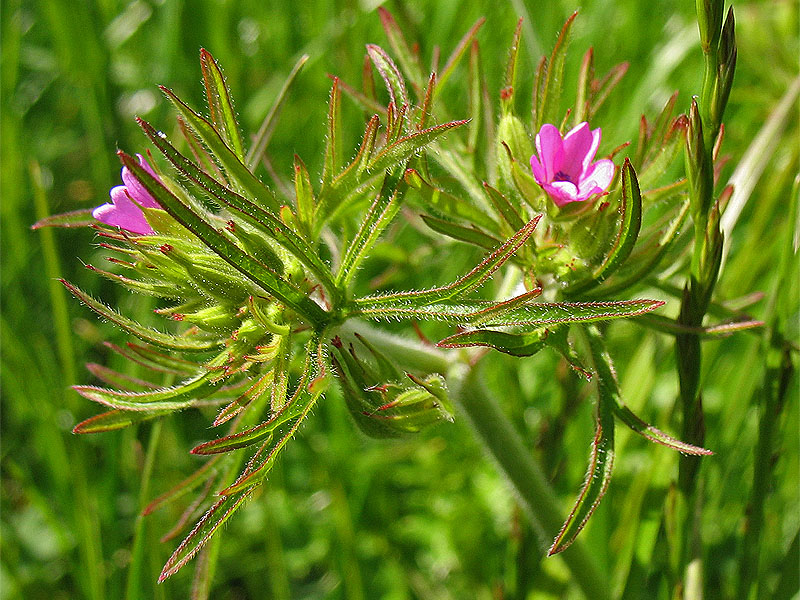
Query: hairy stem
point(500, 441)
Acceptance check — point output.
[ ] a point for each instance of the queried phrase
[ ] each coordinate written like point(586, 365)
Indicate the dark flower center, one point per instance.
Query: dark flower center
point(561, 176)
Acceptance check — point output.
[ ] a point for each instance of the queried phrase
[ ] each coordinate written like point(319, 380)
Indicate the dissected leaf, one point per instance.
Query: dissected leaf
point(147, 334)
point(464, 284)
point(390, 74)
point(380, 215)
point(267, 279)
point(216, 516)
point(233, 166)
point(407, 146)
point(220, 104)
point(114, 420)
point(265, 221)
point(170, 398)
point(74, 218)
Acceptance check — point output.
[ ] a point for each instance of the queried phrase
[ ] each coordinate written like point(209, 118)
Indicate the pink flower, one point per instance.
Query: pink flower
point(124, 210)
point(565, 169)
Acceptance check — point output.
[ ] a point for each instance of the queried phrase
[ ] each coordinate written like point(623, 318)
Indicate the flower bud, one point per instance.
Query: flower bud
point(213, 276)
point(388, 406)
point(511, 136)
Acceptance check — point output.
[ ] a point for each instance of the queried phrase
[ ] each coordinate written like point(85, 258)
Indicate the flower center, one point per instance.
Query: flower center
point(561, 176)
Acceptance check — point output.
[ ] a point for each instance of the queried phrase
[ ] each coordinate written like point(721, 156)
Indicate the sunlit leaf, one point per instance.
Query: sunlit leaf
point(220, 104)
point(75, 218)
point(147, 334)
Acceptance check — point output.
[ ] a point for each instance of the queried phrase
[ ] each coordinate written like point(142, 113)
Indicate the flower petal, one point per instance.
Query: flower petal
point(562, 192)
point(538, 171)
point(600, 174)
point(596, 134)
point(577, 146)
point(122, 212)
point(551, 150)
point(136, 189)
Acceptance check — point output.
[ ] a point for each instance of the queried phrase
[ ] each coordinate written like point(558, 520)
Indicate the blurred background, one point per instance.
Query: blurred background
point(343, 516)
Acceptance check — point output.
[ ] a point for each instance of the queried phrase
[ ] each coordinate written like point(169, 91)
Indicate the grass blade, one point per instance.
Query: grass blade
point(268, 125)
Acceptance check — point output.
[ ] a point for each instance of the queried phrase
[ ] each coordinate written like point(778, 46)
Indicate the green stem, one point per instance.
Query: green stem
point(499, 439)
point(133, 587)
point(504, 445)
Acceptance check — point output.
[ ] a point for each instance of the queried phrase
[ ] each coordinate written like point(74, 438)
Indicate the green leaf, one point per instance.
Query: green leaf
point(504, 208)
point(405, 147)
point(353, 175)
point(75, 218)
point(333, 142)
point(156, 361)
point(265, 221)
point(541, 314)
point(380, 215)
point(448, 204)
point(260, 387)
point(470, 235)
point(164, 399)
point(408, 60)
point(291, 417)
point(609, 387)
point(117, 379)
point(268, 125)
point(548, 105)
point(220, 104)
point(641, 263)
point(114, 420)
point(156, 288)
point(584, 89)
point(523, 317)
point(147, 334)
point(459, 287)
point(233, 166)
point(204, 473)
point(216, 516)
point(390, 74)
point(507, 93)
point(264, 277)
point(598, 475)
point(630, 223)
point(304, 194)
point(515, 344)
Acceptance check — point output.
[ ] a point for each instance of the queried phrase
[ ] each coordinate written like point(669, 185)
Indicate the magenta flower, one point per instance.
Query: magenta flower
point(124, 210)
point(565, 169)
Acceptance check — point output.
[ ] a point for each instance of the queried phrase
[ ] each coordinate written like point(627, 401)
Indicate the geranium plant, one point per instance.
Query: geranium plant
point(263, 287)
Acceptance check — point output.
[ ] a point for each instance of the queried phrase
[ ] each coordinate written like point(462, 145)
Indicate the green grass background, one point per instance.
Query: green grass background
point(343, 516)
